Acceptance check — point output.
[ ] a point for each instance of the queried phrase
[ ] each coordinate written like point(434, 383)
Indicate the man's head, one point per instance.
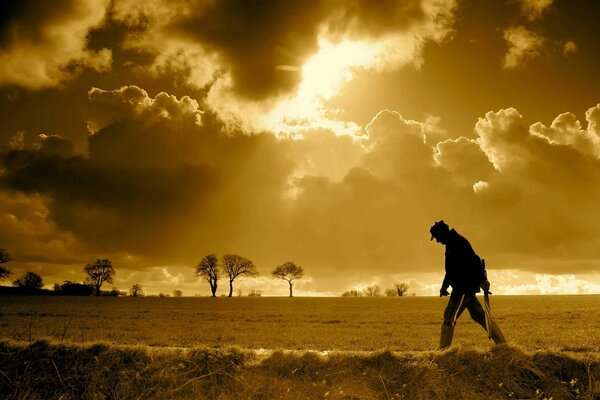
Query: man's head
point(440, 231)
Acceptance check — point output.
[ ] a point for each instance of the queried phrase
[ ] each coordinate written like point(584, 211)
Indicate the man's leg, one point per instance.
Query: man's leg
point(453, 310)
point(478, 315)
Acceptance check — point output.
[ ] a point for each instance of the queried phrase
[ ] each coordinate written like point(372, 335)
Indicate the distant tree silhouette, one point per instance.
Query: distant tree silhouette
point(352, 293)
point(372, 291)
point(234, 266)
point(69, 288)
point(136, 290)
point(4, 258)
point(288, 271)
point(99, 272)
point(255, 293)
point(29, 280)
point(177, 293)
point(209, 269)
point(391, 292)
point(401, 288)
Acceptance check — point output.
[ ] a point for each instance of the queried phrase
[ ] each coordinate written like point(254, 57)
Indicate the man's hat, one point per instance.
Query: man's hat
point(438, 228)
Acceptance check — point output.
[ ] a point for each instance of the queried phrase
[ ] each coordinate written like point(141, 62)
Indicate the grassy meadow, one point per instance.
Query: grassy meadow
point(567, 323)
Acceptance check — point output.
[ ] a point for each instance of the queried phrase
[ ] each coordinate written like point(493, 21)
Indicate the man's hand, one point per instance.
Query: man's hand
point(444, 292)
point(485, 285)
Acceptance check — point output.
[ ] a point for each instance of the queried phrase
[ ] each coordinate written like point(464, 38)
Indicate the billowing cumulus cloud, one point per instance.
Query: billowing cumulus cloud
point(545, 186)
point(132, 102)
point(43, 44)
point(158, 191)
point(566, 130)
point(464, 157)
point(523, 45)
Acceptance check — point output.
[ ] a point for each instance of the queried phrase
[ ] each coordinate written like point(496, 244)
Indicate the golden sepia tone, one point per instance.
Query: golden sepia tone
point(331, 133)
point(298, 199)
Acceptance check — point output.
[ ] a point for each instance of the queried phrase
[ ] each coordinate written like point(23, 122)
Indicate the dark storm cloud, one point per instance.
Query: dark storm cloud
point(94, 200)
point(43, 44)
point(26, 19)
point(255, 37)
point(156, 181)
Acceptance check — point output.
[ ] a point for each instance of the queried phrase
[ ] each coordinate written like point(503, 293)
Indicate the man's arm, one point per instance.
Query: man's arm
point(485, 284)
point(444, 288)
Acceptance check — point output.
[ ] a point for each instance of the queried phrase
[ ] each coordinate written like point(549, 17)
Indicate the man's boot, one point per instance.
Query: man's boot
point(446, 336)
point(497, 335)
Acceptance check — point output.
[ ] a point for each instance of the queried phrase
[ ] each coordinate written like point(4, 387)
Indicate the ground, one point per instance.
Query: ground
point(564, 323)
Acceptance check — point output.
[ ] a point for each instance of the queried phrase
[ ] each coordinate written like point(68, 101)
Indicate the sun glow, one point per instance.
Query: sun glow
point(335, 64)
point(323, 76)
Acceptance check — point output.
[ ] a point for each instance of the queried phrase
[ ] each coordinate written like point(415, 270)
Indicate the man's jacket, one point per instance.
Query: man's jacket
point(464, 271)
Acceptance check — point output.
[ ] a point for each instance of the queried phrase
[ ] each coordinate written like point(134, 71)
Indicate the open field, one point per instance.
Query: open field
point(561, 323)
point(201, 348)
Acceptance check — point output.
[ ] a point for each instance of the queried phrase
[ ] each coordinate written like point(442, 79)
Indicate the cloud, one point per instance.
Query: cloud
point(566, 130)
point(546, 186)
point(45, 44)
point(533, 9)
point(136, 178)
point(501, 135)
point(153, 173)
point(157, 191)
point(465, 159)
point(523, 45)
point(34, 240)
point(551, 284)
point(570, 48)
point(54, 144)
point(255, 62)
point(254, 42)
point(132, 102)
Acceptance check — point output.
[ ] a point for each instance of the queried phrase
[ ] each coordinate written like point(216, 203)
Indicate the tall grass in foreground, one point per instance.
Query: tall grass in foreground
point(41, 370)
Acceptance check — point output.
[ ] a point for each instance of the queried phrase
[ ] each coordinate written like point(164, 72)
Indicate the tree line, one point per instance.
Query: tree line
point(210, 268)
point(398, 290)
point(230, 267)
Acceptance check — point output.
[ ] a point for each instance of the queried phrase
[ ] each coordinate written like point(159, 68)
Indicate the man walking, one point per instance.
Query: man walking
point(466, 274)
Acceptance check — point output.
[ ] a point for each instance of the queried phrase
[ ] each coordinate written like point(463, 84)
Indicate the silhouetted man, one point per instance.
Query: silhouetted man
point(466, 274)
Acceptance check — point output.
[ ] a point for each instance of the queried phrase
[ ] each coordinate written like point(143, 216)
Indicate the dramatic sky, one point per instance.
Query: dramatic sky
point(331, 133)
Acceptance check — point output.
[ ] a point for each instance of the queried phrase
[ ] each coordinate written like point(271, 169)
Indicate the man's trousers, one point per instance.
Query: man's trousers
point(456, 305)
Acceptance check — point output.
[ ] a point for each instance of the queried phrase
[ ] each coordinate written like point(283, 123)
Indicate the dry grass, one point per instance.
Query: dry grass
point(44, 371)
point(559, 323)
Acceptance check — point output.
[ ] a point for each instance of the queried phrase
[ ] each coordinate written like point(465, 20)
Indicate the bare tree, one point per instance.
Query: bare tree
point(234, 266)
point(99, 272)
point(352, 293)
point(209, 269)
point(177, 293)
point(29, 280)
point(288, 271)
point(4, 258)
point(401, 288)
point(391, 293)
point(372, 291)
point(136, 290)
